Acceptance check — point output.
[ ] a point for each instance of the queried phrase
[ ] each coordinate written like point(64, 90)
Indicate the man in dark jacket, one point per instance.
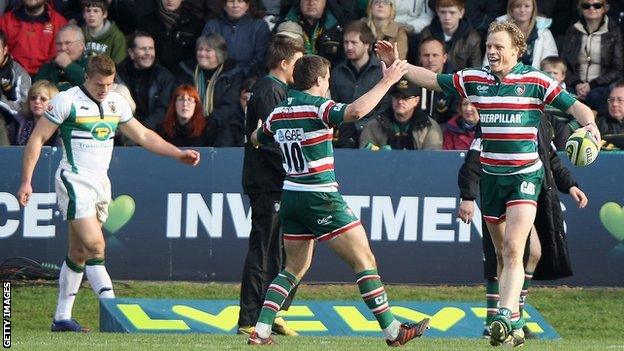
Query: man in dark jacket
point(613, 121)
point(263, 176)
point(547, 252)
point(438, 104)
point(354, 77)
point(322, 31)
point(150, 84)
point(175, 29)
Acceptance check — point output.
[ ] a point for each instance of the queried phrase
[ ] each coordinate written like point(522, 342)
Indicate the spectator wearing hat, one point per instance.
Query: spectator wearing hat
point(290, 29)
point(404, 126)
point(354, 77)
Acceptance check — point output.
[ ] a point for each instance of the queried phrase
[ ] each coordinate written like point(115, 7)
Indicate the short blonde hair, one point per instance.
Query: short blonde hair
point(554, 61)
point(43, 87)
point(516, 35)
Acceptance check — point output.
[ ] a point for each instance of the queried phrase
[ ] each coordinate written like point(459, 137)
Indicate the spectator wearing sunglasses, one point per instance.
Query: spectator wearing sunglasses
point(593, 52)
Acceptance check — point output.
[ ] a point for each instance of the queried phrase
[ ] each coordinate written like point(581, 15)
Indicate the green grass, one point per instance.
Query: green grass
point(587, 319)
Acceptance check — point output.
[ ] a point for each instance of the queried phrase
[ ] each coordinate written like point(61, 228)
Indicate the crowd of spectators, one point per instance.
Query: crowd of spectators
point(180, 60)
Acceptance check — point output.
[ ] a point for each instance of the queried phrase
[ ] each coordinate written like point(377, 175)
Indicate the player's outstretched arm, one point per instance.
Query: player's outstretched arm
point(154, 143)
point(585, 117)
point(423, 77)
point(367, 102)
point(42, 132)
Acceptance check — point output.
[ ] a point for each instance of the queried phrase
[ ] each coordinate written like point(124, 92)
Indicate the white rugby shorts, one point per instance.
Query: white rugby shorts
point(82, 195)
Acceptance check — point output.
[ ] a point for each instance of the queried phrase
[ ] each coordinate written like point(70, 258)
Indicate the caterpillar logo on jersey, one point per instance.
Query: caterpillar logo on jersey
point(482, 88)
point(101, 131)
point(527, 188)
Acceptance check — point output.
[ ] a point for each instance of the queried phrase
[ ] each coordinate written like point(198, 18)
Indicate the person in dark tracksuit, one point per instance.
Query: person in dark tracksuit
point(546, 255)
point(263, 176)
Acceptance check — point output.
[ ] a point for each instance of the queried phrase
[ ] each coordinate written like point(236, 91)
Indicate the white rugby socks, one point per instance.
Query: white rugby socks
point(100, 280)
point(70, 278)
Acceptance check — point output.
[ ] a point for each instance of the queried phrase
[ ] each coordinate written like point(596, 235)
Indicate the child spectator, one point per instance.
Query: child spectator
point(563, 124)
point(102, 36)
point(462, 42)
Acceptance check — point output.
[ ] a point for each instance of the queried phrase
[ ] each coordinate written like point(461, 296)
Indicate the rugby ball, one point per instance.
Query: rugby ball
point(581, 148)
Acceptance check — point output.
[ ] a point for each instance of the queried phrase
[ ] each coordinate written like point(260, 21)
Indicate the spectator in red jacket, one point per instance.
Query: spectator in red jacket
point(31, 30)
point(459, 131)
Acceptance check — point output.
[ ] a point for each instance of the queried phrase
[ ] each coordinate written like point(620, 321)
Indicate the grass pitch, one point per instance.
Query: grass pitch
point(586, 319)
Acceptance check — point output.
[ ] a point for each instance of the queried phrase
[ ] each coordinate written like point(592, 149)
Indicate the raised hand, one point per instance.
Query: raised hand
point(386, 51)
point(395, 71)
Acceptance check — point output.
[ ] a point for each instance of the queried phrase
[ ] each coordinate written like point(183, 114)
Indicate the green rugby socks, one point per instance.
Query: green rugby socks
point(276, 294)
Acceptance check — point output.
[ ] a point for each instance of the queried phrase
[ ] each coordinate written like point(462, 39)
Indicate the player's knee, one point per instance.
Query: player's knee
point(77, 255)
point(94, 248)
point(369, 259)
point(512, 254)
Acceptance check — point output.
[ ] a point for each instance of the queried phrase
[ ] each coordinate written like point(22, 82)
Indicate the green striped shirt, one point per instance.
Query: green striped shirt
point(302, 125)
point(509, 111)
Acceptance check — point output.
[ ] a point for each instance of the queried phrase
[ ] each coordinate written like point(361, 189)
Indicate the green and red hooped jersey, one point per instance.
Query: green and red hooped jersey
point(509, 111)
point(302, 125)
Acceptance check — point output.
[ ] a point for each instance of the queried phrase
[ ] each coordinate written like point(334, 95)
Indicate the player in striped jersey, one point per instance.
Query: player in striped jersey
point(88, 117)
point(311, 207)
point(510, 98)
